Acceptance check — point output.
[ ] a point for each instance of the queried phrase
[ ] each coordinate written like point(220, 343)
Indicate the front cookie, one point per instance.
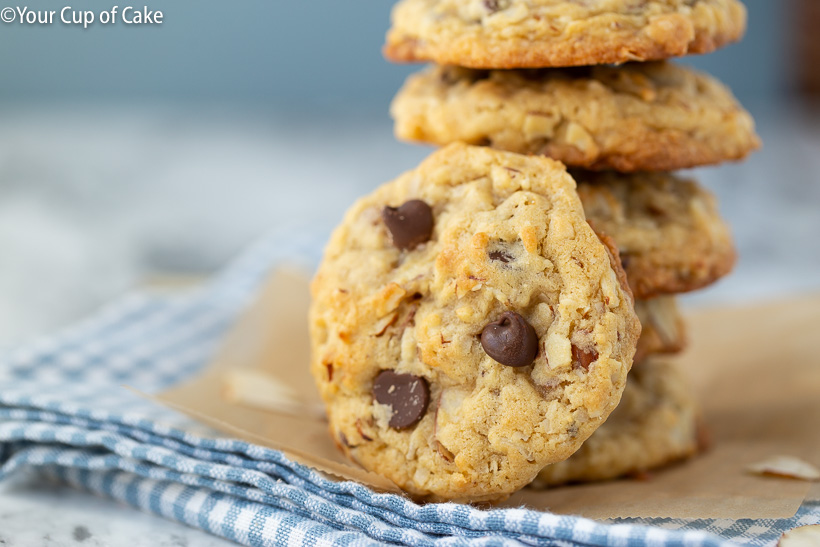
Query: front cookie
point(468, 326)
point(635, 117)
point(556, 33)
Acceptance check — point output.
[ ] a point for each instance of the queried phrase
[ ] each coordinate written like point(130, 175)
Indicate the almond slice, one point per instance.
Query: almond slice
point(804, 536)
point(786, 466)
point(262, 391)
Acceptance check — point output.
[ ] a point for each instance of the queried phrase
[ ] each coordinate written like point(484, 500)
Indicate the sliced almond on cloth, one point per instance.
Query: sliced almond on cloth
point(804, 536)
point(786, 466)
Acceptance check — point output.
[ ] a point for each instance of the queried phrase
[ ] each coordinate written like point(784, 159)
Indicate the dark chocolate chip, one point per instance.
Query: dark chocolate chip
point(582, 358)
point(492, 5)
point(406, 394)
point(496, 5)
point(500, 256)
point(410, 225)
point(510, 340)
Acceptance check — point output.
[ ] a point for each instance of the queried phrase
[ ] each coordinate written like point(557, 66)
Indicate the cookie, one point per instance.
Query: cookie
point(635, 117)
point(668, 229)
point(662, 327)
point(468, 327)
point(558, 33)
point(655, 424)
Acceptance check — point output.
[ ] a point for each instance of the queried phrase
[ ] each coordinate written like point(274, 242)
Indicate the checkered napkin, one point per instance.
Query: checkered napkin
point(64, 414)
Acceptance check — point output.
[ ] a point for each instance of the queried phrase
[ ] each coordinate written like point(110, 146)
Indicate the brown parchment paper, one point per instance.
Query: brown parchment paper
point(755, 368)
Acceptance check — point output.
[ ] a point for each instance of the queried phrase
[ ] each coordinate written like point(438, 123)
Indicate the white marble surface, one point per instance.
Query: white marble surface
point(34, 514)
point(95, 200)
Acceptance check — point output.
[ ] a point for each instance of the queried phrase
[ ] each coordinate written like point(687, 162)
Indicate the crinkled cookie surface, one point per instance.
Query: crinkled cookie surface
point(655, 424)
point(639, 116)
point(468, 326)
point(557, 33)
point(671, 236)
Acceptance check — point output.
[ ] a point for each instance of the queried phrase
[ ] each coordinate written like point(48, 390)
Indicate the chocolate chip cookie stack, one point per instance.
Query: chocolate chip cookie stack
point(588, 84)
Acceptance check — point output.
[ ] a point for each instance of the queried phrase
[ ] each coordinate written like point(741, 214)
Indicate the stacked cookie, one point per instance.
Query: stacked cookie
point(474, 321)
point(469, 328)
point(531, 77)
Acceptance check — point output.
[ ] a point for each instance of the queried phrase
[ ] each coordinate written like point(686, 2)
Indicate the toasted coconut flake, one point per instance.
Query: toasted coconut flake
point(786, 466)
point(804, 536)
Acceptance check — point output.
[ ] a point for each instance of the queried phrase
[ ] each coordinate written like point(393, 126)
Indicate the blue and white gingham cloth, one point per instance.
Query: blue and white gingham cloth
point(63, 413)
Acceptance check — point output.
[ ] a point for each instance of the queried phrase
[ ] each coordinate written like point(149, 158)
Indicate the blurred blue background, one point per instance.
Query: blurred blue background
point(281, 54)
point(150, 155)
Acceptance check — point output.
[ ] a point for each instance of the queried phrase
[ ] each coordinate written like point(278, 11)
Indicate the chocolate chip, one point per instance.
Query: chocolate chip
point(495, 5)
point(582, 358)
point(510, 340)
point(500, 256)
point(410, 225)
point(406, 394)
point(491, 5)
